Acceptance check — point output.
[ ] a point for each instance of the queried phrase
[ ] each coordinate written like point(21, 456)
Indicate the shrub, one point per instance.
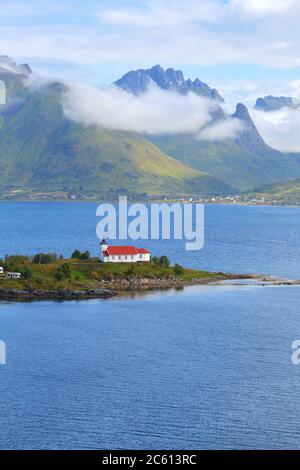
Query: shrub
point(164, 261)
point(82, 256)
point(26, 273)
point(44, 258)
point(178, 269)
point(85, 255)
point(16, 259)
point(59, 276)
point(130, 271)
point(161, 261)
point(76, 254)
point(63, 272)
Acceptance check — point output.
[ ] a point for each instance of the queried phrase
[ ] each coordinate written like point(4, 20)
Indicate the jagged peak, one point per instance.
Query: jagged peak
point(242, 112)
point(138, 81)
point(8, 65)
point(274, 103)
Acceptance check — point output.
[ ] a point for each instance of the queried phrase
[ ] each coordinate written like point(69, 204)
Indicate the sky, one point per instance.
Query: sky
point(244, 48)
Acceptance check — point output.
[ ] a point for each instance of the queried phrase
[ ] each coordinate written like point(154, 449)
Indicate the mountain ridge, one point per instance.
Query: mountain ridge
point(275, 103)
point(139, 81)
point(42, 150)
point(244, 162)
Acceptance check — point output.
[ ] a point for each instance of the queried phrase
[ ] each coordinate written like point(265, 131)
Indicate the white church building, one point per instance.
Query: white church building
point(124, 254)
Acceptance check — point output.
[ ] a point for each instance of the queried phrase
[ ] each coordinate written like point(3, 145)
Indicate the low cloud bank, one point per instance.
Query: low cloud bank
point(222, 130)
point(155, 112)
point(280, 129)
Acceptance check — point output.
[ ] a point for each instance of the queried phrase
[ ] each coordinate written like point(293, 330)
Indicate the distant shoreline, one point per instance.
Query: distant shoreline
point(121, 287)
point(146, 201)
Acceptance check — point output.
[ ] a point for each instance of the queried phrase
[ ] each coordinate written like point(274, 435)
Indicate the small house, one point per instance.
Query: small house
point(11, 275)
point(124, 254)
point(1, 271)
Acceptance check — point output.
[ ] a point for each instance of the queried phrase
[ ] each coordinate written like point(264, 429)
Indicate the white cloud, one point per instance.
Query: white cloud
point(280, 129)
point(222, 130)
point(263, 7)
point(156, 13)
point(155, 112)
point(143, 33)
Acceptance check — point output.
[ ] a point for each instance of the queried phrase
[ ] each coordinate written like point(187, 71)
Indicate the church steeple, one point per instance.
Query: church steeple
point(104, 245)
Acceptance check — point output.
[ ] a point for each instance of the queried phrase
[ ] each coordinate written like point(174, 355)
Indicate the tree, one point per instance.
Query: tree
point(164, 261)
point(82, 256)
point(44, 258)
point(178, 269)
point(63, 272)
point(85, 255)
point(26, 273)
point(76, 254)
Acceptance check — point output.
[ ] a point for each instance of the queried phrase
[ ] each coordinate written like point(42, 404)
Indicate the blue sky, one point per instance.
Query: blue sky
point(243, 47)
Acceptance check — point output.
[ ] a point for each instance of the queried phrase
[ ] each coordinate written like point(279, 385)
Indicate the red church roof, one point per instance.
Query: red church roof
point(124, 250)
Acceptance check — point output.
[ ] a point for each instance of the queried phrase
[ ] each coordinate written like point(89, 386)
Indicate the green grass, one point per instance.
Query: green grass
point(89, 273)
point(284, 193)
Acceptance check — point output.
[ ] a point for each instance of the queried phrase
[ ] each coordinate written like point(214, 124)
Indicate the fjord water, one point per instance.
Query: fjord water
point(207, 367)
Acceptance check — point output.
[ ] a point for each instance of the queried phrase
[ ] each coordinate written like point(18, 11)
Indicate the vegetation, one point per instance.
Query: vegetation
point(178, 270)
point(85, 272)
point(37, 144)
point(78, 255)
point(42, 152)
point(280, 193)
point(44, 258)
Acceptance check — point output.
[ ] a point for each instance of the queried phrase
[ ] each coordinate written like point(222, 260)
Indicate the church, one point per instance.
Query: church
point(124, 254)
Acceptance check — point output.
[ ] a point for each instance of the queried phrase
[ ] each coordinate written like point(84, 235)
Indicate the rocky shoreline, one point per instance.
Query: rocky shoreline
point(109, 289)
point(61, 294)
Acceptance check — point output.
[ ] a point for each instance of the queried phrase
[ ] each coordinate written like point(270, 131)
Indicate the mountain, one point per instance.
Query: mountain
point(287, 192)
point(274, 103)
point(244, 162)
point(139, 81)
point(43, 151)
point(8, 65)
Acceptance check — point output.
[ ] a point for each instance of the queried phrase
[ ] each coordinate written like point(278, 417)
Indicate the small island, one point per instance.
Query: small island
point(47, 276)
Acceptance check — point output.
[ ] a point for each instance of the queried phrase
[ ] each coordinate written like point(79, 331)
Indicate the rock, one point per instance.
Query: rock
point(274, 103)
point(139, 81)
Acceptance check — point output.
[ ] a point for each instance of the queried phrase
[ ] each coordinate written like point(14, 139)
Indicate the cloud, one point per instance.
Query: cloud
point(123, 34)
point(155, 112)
point(263, 7)
point(280, 129)
point(222, 130)
point(164, 13)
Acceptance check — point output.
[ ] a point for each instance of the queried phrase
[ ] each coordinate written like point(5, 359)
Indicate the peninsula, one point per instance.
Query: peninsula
point(47, 276)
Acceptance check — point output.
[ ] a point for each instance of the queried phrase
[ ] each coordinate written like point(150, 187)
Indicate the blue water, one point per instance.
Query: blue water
point(242, 239)
point(207, 367)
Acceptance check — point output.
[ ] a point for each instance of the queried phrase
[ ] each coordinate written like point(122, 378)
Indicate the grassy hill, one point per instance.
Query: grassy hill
point(42, 150)
point(240, 165)
point(283, 193)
